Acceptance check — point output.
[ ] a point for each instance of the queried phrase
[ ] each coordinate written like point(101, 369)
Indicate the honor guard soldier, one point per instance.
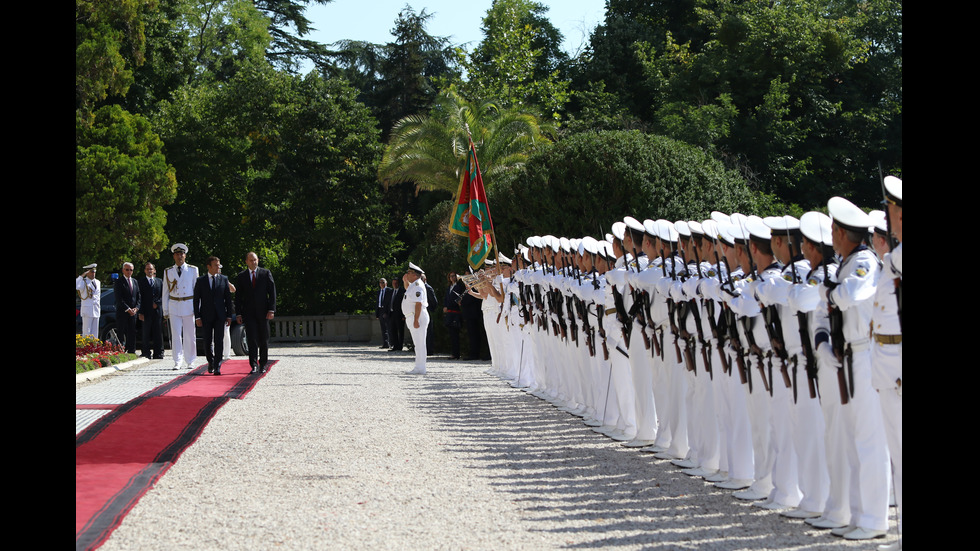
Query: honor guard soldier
point(886, 329)
point(90, 291)
point(853, 296)
point(178, 306)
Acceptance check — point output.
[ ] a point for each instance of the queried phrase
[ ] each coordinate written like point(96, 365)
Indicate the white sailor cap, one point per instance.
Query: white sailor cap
point(738, 231)
point(178, 246)
point(91, 266)
point(667, 231)
point(633, 224)
point(504, 260)
point(848, 215)
point(565, 244)
point(725, 229)
point(781, 224)
point(534, 241)
point(710, 229)
point(719, 216)
point(489, 262)
point(415, 269)
point(893, 190)
point(551, 241)
point(650, 226)
point(695, 227)
point(815, 226)
point(757, 228)
point(619, 230)
point(683, 230)
point(588, 245)
point(606, 250)
point(878, 221)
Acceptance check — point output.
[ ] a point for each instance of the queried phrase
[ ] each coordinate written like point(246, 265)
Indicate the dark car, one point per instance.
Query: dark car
point(109, 333)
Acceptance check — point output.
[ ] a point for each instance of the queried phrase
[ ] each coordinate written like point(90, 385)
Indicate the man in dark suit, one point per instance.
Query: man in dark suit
point(213, 310)
point(127, 296)
point(430, 294)
point(151, 313)
point(382, 313)
point(255, 301)
point(396, 330)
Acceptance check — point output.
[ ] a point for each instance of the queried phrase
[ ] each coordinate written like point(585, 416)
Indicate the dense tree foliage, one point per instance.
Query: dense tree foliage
point(519, 63)
point(803, 97)
point(430, 150)
point(285, 165)
point(587, 181)
point(122, 185)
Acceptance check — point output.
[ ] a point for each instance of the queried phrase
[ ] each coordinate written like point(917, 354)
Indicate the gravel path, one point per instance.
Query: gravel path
point(338, 448)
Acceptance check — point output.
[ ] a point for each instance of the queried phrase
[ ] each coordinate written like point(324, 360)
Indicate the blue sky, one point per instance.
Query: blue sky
point(460, 20)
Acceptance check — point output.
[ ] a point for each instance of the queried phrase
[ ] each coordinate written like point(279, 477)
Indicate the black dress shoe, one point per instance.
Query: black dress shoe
point(210, 369)
point(158, 357)
point(217, 372)
point(254, 370)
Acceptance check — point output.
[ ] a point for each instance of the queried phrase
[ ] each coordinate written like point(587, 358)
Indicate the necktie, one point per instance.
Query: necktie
point(253, 278)
point(212, 283)
point(178, 271)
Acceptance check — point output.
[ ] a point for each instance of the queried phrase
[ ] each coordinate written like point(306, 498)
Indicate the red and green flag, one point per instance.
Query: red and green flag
point(471, 217)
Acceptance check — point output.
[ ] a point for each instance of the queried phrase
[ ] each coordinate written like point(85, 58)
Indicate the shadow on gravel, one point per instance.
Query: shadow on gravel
point(599, 493)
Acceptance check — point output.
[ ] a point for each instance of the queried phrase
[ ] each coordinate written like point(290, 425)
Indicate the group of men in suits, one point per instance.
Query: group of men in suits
point(188, 300)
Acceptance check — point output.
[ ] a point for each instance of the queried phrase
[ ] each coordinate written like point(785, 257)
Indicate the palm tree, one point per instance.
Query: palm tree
point(430, 150)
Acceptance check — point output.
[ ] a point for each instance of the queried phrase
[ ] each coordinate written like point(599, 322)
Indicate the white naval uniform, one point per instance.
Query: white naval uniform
point(178, 306)
point(806, 417)
point(90, 291)
point(415, 293)
point(886, 357)
point(749, 313)
point(866, 446)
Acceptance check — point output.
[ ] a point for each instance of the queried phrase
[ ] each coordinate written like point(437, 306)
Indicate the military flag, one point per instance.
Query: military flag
point(471, 217)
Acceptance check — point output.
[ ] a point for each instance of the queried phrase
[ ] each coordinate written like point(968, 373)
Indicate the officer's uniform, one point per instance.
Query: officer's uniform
point(178, 306)
point(415, 293)
point(90, 291)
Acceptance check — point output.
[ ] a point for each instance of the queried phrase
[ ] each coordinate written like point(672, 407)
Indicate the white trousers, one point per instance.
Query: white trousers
point(184, 336)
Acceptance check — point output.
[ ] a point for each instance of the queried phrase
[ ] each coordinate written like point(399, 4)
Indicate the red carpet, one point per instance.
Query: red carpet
point(120, 456)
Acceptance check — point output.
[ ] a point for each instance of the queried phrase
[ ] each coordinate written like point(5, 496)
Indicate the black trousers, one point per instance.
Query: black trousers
point(153, 334)
point(214, 333)
point(127, 326)
point(257, 338)
point(396, 332)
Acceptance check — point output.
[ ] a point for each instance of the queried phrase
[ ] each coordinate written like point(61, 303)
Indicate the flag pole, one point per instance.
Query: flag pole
point(493, 233)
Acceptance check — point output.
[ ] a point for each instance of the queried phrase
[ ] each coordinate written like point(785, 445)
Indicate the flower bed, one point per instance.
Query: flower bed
point(91, 353)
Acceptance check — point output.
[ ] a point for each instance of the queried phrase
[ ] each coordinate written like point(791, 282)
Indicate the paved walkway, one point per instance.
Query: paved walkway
point(338, 448)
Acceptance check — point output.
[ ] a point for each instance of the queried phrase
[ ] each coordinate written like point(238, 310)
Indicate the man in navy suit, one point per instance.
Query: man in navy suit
point(255, 302)
point(151, 312)
point(383, 311)
point(127, 295)
point(213, 310)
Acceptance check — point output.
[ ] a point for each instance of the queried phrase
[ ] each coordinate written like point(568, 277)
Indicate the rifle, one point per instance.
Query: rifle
point(837, 339)
point(748, 322)
point(803, 323)
point(671, 307)
point(696, 312)
point(602, 332)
